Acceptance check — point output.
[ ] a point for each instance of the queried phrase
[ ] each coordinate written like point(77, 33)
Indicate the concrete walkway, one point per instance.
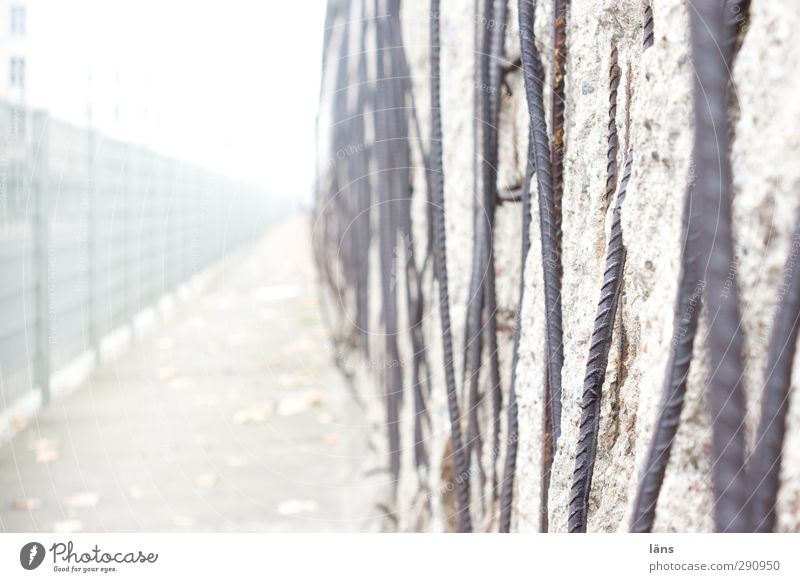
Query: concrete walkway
point(228, 417)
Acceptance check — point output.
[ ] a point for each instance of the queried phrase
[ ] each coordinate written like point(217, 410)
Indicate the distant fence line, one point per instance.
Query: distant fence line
point(93, 231)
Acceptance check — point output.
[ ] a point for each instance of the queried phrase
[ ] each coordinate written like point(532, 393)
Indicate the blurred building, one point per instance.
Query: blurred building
point(14, 51)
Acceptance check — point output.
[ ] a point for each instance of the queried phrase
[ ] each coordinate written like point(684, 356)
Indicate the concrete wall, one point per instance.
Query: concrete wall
point(659, 104)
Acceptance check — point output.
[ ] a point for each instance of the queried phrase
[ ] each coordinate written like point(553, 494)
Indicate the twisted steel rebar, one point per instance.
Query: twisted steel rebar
point(539, 160)
point(488, 282)
point(602, 337)
point(440, 269)
point(404, 102)
point(473, 336)
point(612, 153)
point(725, 387)
point(685, 319)
point(390, 191)
point(558, 104)
point(765, 460)
point(735, 16)
point(648, 35)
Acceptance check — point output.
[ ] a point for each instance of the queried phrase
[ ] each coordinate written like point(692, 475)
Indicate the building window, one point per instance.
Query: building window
point(17, 72)
point(18, 19)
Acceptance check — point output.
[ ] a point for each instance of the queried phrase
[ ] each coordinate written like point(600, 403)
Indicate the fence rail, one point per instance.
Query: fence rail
point(93, 231)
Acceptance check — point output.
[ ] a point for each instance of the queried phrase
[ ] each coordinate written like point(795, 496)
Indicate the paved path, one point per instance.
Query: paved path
point(228, 417)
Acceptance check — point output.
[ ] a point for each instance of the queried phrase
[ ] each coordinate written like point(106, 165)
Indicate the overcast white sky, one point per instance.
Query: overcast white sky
point(232, 85)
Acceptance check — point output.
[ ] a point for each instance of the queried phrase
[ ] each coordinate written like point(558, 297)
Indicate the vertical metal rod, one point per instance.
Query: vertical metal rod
point(41, 230)
point(94, 242)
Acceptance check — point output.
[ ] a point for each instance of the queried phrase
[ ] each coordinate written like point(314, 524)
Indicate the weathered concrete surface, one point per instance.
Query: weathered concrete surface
point(231, 417)
point(655, 94)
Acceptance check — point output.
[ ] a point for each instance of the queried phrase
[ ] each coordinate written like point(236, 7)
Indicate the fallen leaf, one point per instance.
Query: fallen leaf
point(205, 400)
point(291, 405)
point(81, 500)
point(66, 526)
point(165, 373)
point(206, 480)
point(184, 520)
point(292, 380)
point(165, 343)
point(299, 346)
point(43, 444)
point(275, 360)
point(326, 417)
point(179, 383)
point(47, 455)
point(331, 439)
point(276, 292)
point(255, 413)
point(18, 423)
point(295, 506)
point(26, 503)
point(237, 461)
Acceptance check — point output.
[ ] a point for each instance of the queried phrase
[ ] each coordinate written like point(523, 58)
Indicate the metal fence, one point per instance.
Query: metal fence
point(93, 231)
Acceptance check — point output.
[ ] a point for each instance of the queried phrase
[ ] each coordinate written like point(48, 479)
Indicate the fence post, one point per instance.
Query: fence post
point(41, 231)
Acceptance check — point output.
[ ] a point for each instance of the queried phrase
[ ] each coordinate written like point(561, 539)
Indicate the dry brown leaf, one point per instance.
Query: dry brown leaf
point(66, 526)
point(18, 423)
point(26, 503)
point(184, 520)
point(165, 373)
point(326, 417)
point(180, 383)
point(43, 444)
point(206, 480)
point(165, 343)
point(294, 506)
point(205, 400)
point(291, 405)
point(82, 500)
point(255, 413)
point(237, 461)
point(314, 398)
point(47, 455)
